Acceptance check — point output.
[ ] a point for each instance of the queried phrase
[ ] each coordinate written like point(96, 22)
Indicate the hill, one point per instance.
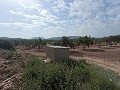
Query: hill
point(7, 38)
point(37, 37)
point(59, 38)
point(4, 37)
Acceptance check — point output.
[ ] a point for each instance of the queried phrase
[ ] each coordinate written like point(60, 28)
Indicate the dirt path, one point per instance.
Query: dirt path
point(107, 57)
point(101, 62)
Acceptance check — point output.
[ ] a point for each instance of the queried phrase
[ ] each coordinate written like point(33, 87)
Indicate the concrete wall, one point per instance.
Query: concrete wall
point(61, 54)
point(57, 53)
point(50, 53)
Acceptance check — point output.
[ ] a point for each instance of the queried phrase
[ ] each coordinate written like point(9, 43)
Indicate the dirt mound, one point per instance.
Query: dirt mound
point(94, 50)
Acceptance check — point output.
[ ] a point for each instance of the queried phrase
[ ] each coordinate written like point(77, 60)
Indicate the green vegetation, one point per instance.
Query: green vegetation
point(68, 75)
point(11, 44)
point(6, 44)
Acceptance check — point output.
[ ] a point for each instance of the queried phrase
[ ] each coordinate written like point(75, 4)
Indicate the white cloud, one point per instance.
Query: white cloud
point(31, 16)
point(16, 13)
point(59, 5)
point(78, 17)
point(28, 4)
point(95, 12)
point(24, 15)
point(44, 12)
point(47, 0)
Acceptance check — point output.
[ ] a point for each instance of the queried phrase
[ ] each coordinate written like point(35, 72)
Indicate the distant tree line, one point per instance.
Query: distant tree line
point(85, 41)
point(28, 43)
point(74, 43)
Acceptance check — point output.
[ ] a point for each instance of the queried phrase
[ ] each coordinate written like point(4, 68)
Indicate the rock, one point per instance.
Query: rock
point(20, 57)
point(47, 60)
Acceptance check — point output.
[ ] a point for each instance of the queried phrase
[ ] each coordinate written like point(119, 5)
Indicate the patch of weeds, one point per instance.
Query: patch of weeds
point(68, 75)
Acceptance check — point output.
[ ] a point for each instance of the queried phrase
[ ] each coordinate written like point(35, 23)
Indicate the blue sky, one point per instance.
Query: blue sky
point(51, 18)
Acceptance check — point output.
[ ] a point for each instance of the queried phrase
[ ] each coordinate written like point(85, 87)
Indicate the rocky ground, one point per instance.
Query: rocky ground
point(9, 68)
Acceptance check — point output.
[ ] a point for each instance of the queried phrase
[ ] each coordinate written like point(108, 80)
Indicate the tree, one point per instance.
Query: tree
point(87, 41)
point(36, 43)
point(57, 43)
point(77, 42)
point(71, 44)
point(65, 41)
point(40, 43)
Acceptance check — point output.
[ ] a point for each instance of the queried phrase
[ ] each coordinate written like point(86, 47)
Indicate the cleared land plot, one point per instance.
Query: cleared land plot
point(106, 56)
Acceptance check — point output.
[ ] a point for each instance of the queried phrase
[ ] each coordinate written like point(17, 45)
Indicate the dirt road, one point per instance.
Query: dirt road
point(107, 57)
point(101, 62)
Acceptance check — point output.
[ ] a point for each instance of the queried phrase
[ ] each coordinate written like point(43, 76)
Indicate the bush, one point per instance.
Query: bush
point(6, 44)
point(69, 75)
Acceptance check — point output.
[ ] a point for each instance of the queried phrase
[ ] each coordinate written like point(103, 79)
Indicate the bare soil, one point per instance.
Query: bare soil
point(106, 56)
point(9, 68)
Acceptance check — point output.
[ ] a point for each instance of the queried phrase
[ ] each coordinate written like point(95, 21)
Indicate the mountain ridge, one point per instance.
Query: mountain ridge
point(52, 38)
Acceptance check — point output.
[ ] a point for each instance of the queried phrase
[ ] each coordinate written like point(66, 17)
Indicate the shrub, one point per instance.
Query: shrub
point(6, 44)
point(68, 75)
